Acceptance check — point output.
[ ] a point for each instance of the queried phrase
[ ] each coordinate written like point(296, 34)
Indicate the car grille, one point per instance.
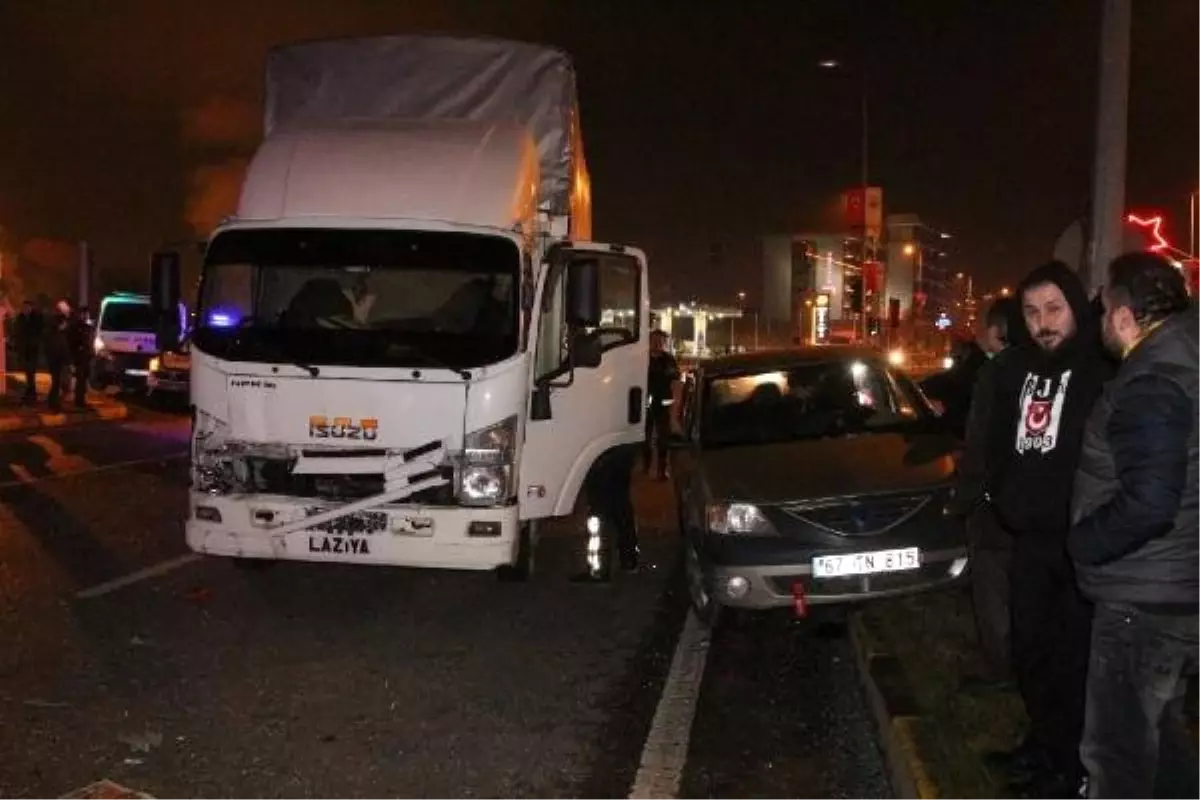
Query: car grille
point(274, 476)
point(177, 375)
point(866, 516)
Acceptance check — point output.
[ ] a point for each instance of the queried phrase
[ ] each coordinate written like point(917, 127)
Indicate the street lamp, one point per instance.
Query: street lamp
point(834, 64)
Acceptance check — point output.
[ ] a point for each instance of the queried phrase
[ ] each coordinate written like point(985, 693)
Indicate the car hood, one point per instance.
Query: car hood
point(865, 464)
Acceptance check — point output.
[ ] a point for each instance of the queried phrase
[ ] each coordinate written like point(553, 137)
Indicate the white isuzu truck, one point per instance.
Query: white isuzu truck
point(398, 356)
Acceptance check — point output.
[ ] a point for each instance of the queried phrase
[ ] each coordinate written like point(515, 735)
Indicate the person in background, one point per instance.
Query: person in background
point(1134, 540)
point(991, 546)
point(665, 394)
point(1044, 392)
point(27, 330)
point(953, 389)
point(58, 351)
point(79, 342)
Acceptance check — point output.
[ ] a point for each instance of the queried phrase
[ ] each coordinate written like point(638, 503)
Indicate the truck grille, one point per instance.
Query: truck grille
point(274, 476)
point(860, 516)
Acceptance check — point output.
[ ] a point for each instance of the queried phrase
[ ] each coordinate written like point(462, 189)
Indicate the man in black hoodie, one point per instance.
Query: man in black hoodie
point(1044, 392)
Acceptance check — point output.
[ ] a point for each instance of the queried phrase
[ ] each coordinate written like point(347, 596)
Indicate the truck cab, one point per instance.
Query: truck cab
point(398, 355)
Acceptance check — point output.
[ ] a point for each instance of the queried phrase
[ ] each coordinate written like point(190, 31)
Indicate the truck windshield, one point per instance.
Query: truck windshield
point(360, 297)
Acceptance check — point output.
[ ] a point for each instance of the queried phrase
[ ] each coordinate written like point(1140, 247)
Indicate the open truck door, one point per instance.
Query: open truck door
point(588, 391)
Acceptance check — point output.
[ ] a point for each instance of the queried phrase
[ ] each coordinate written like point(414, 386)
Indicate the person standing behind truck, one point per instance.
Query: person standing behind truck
point(58, 351)
point(663, 388)
point(79, 340)
point(27, 330)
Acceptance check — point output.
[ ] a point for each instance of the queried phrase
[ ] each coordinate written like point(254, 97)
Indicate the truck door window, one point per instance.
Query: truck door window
point(620, 300)
point(620, 303)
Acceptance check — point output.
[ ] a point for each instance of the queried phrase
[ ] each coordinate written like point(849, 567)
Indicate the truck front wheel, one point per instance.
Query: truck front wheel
point(521, 570)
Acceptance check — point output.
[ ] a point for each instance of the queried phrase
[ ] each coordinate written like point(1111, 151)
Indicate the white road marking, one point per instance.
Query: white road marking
point(153, 571)
point(665, 752)
point(26, 477)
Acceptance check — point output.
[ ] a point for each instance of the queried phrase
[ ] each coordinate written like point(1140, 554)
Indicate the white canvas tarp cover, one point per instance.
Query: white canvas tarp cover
point(429, 78)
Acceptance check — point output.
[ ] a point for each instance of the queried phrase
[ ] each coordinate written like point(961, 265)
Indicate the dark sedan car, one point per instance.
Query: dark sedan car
point(811, 477)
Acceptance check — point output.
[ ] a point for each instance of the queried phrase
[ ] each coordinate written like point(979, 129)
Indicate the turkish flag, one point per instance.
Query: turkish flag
point(854, 207)
point(871, 275)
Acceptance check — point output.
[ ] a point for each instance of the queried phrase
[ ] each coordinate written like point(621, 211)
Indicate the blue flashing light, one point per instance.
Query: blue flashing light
point(221, 319)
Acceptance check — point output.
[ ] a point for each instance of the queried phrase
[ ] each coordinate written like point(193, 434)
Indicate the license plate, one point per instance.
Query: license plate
point(363, 522)
point(841, 566)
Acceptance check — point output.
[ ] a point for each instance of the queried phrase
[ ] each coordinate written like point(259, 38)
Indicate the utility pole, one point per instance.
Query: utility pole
point(84, 276)
point(1112, 117)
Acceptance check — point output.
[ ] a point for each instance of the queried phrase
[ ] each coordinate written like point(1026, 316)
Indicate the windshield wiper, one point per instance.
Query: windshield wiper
point(433, 360)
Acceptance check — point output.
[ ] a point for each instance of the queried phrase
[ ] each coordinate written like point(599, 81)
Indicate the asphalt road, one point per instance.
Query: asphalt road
point(202, 679)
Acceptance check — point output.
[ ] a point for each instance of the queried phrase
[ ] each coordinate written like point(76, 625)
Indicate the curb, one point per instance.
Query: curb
point(32, 422)
point(896, 715)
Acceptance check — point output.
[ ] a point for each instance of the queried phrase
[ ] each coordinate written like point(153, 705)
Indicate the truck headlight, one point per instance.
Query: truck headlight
point(213, 468)
point(485, 474)
point(154, 365)
point(484, 485)
point(738, 518)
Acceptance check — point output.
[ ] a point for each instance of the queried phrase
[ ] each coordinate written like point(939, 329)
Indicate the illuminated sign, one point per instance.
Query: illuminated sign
point(821, 319)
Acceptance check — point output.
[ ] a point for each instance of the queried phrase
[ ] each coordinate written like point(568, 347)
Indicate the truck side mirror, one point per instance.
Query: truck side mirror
point(165, 276)
point(540, 407)
point(586, 351)
point(583, 293)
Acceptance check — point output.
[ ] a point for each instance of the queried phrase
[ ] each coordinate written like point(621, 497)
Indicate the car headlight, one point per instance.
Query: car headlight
point(896, 357)
point(948, 362)
point(738, 518)
point(154, 364)
point(485, 474)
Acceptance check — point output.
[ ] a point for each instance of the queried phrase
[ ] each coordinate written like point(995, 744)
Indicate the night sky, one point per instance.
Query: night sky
point(123, 122)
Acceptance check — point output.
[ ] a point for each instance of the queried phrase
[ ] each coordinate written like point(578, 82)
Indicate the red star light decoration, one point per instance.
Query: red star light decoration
point(1153, 225)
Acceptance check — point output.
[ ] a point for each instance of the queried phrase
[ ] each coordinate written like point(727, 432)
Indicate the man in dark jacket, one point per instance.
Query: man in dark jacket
point(58, 351)
point(28, 333)
point(79, 341)
point(1044, 392)
point(664, 390)
point(991, 545)
point(1134, 541)
point(952, 388)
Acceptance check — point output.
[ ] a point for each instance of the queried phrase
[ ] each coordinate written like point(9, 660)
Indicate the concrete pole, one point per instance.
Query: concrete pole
point(1112, 116)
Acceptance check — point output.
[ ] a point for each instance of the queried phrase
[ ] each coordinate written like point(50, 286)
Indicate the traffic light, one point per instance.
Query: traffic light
point(854, 291)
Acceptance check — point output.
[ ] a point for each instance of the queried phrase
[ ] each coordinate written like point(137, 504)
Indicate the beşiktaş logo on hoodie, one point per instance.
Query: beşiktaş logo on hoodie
point(1042, 400)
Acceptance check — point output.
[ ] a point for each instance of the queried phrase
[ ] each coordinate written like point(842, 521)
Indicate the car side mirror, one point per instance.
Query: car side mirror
point(165, 276)
point(583, 293)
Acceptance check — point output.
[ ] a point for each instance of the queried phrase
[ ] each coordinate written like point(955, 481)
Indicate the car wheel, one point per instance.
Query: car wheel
point(522, 570)
point(705, 606)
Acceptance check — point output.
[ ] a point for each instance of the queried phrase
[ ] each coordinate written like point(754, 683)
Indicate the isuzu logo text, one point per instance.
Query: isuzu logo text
point(366, 430)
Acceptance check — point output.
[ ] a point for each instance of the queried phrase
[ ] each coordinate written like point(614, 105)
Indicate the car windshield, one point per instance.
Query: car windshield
point(805, 401)
point(360, 297)
point(127, 316)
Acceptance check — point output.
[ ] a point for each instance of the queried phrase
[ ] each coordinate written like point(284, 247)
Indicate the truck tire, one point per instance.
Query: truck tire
point(522, 570)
